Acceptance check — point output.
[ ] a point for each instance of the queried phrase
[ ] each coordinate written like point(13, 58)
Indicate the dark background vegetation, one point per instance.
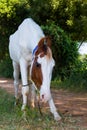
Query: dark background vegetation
point(64, 20)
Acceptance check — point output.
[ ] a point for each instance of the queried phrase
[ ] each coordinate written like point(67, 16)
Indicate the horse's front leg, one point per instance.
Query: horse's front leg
point(25, 86)
point(53, 110)
point(33, 95)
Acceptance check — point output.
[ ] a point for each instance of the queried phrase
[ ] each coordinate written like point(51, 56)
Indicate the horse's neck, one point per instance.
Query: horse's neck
point(33, 47)
point(34, 44)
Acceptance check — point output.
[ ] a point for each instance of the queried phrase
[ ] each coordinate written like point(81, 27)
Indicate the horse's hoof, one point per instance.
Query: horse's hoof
point(16, 102)
point(57, 118)
point(23, 107)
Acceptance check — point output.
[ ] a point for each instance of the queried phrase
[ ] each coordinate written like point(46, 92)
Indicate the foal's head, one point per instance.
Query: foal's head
point(42, 66)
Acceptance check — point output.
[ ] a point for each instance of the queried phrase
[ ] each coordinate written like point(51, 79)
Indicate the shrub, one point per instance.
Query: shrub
point(78, 77)
point(6, 69)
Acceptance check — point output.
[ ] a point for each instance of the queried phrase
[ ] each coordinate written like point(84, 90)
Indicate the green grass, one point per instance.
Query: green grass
point(68, 85)
point(12, 118)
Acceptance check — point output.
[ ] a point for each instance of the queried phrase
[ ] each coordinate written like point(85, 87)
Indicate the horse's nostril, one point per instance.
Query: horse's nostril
point(43, 96)
point(37, 64)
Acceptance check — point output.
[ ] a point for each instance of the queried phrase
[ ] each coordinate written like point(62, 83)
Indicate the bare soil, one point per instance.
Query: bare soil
point(67, 103)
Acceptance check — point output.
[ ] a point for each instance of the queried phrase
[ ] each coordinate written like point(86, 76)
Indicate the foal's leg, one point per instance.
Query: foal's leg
point(25, 86)
point(53, 110)
point(16, 79)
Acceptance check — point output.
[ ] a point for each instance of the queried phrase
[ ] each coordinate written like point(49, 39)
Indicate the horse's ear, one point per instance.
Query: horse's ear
point(41, 43)
point(48, 41)
point(45, 41)
point(41, 47)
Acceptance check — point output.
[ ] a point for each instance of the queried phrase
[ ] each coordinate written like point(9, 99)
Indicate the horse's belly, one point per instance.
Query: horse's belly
point(14, 53)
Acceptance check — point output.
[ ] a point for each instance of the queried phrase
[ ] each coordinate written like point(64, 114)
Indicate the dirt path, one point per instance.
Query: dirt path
point(67, 103)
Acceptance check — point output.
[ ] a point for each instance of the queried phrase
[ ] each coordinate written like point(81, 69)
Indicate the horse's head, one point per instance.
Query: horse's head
point(42, 66)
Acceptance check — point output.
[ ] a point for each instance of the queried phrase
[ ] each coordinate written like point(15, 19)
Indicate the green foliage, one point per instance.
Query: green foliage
point(6, 69)
point(78, 77)
point(71, 15)
point(40, 10)
point(64, 50)
point(12, 12)
point(8, 7)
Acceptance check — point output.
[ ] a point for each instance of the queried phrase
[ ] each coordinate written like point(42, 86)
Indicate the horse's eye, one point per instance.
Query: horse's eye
point(37, 64)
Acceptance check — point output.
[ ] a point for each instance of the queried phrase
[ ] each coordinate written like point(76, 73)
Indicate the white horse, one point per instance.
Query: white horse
point(29, 48)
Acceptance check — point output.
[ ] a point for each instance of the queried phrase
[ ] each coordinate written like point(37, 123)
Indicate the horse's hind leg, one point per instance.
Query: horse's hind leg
point(16, 80)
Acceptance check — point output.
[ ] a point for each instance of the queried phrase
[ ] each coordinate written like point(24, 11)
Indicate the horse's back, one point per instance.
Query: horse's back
point(29, 33)
point(24, 39)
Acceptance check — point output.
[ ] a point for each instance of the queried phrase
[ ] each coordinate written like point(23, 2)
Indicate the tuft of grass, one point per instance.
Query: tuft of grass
point(12, 118)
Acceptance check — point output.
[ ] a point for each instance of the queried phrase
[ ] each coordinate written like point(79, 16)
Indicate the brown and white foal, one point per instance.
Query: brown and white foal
point(29, 47)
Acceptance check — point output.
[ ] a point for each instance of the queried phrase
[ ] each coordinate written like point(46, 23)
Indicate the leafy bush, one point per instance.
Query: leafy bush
point(6, 69)
point(78, 77)
point(64, 50)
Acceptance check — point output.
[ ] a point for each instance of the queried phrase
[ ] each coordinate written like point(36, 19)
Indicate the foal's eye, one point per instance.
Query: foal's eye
point(37, 64)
